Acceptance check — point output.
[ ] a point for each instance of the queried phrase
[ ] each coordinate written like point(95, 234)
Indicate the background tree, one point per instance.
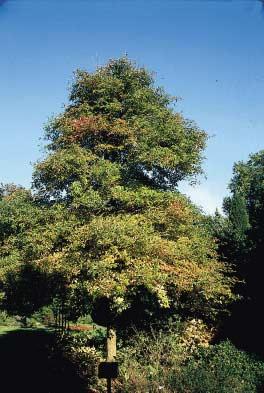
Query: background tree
point(242, 242)
point(231, 231)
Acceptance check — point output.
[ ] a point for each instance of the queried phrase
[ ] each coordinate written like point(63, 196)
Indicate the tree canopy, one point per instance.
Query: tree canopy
point(105, 215)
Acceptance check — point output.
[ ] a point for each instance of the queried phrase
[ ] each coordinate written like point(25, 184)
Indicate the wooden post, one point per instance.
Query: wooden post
point(109, 388)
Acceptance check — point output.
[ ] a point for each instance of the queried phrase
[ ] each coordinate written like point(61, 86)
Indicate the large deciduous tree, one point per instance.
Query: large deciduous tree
point(126, 243)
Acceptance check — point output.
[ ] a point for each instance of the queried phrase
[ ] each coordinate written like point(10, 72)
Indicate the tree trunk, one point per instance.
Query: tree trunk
point(111, 345)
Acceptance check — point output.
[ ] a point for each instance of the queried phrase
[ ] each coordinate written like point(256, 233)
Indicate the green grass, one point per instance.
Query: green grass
point(6, 329)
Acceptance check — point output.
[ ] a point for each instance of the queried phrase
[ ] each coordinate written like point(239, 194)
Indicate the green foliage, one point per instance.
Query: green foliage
point(241, 243)
point(220, 369)
point(143, 141)
point(177, 358)
point(248, 179)
point(105, 231)
point(247, 196)
point(30, 231)
point(6, 320)
point(44, 316)
point(168, 361)
point(238, 217)
point(78, 349)
point(232, 230)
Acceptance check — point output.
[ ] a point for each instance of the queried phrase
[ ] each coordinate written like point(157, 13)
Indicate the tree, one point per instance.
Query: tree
point(238, 216)
point(243, 242)
point(247, 184)
point(231, 231)
point(131, 247)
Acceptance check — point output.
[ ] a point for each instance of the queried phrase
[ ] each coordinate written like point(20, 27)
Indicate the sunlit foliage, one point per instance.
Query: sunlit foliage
point(106, 216)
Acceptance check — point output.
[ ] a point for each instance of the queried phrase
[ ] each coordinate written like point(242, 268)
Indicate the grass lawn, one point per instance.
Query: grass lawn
point(6, 329)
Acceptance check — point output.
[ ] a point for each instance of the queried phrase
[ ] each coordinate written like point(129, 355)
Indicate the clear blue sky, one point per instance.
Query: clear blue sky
point(210, 53)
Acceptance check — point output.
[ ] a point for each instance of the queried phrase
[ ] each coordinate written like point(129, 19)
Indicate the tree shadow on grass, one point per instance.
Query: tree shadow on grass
point(26, 365)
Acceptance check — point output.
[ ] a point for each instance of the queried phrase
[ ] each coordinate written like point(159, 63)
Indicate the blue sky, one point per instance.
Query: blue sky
point(210, 53)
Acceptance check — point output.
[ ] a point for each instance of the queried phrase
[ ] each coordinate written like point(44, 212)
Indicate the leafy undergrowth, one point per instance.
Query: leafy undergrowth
point(84, 350)
point(184, 361)
point(180, 359)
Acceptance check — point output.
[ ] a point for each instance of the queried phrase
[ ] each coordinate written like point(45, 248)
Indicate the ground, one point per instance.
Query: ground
point(27, 367)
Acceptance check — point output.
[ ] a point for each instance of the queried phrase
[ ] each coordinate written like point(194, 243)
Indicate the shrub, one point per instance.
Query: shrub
point(150, 359)
point(183, 361)
point(78, 348)
point(6, 320)
point(80, 328)
point(220, 369)
point(180, 359)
